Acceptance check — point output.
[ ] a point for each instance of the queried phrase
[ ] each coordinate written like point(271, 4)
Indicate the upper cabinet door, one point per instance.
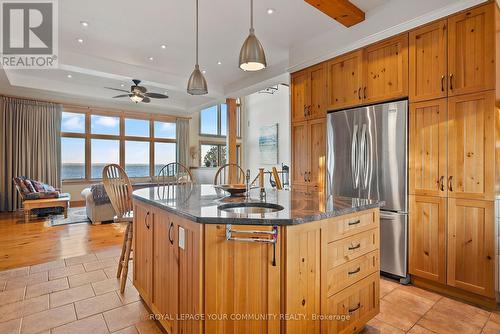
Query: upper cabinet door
point(345, 80)
point(300, 95)
point(428, 141)
point(317, 149)
point(386, 70)
point(300, 153)
point(317, 106)
point(471, 50)
point(471, 146)
point(428, 62)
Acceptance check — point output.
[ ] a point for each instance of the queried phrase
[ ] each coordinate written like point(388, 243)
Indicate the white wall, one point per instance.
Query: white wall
point(264, 110)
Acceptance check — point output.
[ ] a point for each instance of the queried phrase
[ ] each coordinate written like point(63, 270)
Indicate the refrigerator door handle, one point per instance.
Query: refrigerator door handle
point(364, 158)
point(354, 160)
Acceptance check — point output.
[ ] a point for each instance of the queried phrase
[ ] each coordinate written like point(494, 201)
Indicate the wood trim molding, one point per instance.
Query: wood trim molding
point(342, 11)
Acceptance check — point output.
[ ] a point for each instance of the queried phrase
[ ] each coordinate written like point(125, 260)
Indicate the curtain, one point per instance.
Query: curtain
point(30, 145)
point(182, 137)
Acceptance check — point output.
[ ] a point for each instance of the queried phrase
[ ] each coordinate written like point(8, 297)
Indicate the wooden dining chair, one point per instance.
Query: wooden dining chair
point(224, 172)
point(119, 190)
point(174, 173)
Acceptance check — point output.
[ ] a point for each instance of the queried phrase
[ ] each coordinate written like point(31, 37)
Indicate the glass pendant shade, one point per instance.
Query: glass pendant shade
point(136, 98)
point(197, 85)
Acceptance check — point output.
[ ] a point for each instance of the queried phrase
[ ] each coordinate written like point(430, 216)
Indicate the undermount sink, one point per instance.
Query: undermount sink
point(249, 208)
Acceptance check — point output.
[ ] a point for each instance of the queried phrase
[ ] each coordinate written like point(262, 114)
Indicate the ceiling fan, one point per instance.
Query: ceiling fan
point(138, 93)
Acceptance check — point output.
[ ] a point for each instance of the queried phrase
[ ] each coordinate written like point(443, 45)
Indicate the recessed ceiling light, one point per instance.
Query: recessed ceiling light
point(270, 11)
point(122, 85)
point(203, 71)
point(84, 23)
point(163, 46)
point(150, 58)
point(69, 76)
point(219, 63)
point(79, 40)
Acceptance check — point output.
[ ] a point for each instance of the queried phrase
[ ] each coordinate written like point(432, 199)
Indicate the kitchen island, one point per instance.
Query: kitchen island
point(294, 263)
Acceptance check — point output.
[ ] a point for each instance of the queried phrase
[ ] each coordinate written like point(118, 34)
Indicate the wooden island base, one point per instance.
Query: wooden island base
point(320, 276)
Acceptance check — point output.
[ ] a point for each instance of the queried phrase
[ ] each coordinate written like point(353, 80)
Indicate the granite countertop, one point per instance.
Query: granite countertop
point(199, 203)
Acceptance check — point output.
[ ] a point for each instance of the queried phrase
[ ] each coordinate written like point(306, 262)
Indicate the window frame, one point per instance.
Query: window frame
point(219, 145)
point(121, 137)
point(219, 120)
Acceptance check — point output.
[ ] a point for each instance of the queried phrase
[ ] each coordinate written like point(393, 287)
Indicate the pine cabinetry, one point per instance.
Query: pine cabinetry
point(376, 73)
point(309, 93)
point(143, 251)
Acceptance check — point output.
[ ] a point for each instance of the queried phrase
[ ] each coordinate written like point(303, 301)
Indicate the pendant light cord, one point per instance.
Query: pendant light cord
point(251, 15)
point(196, 32)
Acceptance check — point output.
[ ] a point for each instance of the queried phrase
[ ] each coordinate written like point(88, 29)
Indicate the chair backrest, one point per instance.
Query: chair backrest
point(118, 188)
point(174, 173)
point(223, 174)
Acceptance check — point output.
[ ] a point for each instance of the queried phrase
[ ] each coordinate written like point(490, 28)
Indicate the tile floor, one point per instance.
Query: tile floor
point(80, 295)
point(77, 295)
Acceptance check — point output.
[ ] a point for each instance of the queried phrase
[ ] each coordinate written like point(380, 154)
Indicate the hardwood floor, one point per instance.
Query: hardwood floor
point(23, 244)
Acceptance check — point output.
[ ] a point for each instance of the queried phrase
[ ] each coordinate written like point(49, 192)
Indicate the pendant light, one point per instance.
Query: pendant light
point(252, 56)
point(197, 85)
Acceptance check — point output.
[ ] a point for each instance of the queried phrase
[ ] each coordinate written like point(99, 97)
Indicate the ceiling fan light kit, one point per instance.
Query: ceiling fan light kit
point(252, 55)
point(136, 98)
point(197, 85)
point(138, 93)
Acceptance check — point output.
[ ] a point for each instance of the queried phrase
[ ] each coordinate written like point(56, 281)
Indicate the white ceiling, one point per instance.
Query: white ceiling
point(122, 34)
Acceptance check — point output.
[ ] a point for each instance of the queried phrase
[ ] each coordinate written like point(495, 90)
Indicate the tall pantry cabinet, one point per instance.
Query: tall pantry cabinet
point(452, 154)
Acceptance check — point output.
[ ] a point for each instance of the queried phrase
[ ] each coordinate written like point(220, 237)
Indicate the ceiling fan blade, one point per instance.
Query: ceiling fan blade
point(156, 95)
point(146, 99)
point(124, 95)
point(120, 90)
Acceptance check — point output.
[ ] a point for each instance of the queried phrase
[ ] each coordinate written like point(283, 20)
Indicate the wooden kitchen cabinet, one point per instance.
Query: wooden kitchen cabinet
point(428, 78)
point(166, 273)
point(471, 50)
point(143, 250)
point(427, 238)
point(386, 70)
point(471, 248)
point(428, 160)
point(241, 279)
point(471, 146)
point(345, 80)
point(308, 91)
point(308, 154)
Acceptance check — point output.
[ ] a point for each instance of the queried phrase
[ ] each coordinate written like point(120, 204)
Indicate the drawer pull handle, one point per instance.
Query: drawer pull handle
point(354, 247)
point(351, 310)
point(355, 271)
point(146, 221)
point(356, 222)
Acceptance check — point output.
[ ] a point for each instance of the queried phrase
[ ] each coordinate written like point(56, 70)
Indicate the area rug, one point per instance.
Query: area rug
point(75, 216)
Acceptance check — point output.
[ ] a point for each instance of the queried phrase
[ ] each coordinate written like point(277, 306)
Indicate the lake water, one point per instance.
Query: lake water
point(77, 171)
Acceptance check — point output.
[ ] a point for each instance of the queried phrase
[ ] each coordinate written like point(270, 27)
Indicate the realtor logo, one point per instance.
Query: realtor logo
point(29, 34)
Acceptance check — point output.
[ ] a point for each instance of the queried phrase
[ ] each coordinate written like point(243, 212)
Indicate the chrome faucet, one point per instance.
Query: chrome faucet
point(261, 185)
point(247, 176)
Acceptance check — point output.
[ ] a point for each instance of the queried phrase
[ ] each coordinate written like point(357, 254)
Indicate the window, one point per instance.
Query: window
point(136, 127)
point(114, 139)
point(73, 158)
point(137, 158)
point(165, 153)
point(104, 151)
point(72, 122)
point(213, 121)
point(165, 130)
point(215, 155)
point(105, 125)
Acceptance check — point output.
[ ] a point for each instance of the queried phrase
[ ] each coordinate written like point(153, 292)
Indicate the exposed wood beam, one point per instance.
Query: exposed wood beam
point(342, 11)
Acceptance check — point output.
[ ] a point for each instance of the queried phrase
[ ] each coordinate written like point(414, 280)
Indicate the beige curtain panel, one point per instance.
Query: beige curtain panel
point(30, 145)
point(182, 133)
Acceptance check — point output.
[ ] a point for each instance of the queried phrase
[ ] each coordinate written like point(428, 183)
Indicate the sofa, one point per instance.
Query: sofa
point(97, 204)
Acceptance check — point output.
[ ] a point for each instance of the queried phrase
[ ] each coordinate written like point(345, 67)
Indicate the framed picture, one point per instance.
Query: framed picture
point(268, 144)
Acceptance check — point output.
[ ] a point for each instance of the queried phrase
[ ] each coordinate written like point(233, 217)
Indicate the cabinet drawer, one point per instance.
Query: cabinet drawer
point(345, 275)
point(350, 225)
point(342, 251)
point(356, 305)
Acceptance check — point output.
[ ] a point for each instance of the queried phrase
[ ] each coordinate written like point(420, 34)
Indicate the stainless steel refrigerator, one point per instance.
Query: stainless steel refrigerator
point(367, 158)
